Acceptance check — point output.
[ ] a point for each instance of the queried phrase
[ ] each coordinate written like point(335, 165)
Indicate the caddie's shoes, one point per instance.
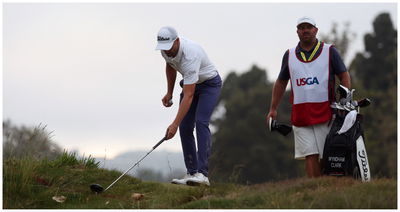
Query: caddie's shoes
point(198, 179)
point(183, 180)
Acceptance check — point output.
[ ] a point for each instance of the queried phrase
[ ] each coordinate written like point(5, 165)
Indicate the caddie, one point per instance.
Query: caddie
point(311, 67)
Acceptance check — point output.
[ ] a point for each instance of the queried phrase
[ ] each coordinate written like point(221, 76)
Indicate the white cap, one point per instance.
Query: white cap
point(306, 20)
point(166, 37)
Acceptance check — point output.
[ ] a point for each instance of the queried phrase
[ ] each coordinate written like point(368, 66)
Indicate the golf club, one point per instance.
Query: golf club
point(97, 188)
point(283, 129)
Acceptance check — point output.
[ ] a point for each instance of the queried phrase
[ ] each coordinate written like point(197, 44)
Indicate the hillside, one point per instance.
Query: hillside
point(29, 184)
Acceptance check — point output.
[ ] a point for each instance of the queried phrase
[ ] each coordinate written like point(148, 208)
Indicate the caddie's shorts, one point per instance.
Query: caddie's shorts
point(310, 140)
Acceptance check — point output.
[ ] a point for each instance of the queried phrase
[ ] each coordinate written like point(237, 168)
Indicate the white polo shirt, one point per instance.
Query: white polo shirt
point(192, 62)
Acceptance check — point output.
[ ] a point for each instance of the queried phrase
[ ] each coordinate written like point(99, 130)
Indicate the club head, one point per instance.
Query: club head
point(364, 102)
point(283, 129)
point(343, 91)
point(96, 188)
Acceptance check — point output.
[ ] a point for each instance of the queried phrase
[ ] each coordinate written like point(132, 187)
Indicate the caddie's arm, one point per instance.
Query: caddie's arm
point(171, 78)
point(188, 92)
point(277, 92)
point(344, 78)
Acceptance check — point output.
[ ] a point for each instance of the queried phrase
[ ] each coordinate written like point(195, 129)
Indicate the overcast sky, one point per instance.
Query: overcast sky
point(90, 72)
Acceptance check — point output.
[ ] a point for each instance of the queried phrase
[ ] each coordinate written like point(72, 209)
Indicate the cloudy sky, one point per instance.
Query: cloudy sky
point(89, 71)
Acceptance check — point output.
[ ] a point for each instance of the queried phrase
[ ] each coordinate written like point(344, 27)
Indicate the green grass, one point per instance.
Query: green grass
point(31, 184)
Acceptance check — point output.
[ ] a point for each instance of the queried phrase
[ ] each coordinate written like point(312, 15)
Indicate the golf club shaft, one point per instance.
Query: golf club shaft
point(136, 163)
point(158, 144)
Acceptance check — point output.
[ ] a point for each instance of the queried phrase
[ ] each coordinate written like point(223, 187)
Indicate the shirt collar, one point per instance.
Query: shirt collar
point(299, 49)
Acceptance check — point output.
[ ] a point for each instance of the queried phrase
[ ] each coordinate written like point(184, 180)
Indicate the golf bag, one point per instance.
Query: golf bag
point(344, 150)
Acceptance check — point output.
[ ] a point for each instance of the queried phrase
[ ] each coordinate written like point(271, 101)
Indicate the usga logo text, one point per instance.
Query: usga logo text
point(307, 81)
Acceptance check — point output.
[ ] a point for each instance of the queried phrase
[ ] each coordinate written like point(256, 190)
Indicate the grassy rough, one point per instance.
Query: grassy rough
point(31, 184)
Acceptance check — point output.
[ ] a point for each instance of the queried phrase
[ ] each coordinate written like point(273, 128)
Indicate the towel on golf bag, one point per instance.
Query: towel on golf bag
point(349, 121)
point(345, 154)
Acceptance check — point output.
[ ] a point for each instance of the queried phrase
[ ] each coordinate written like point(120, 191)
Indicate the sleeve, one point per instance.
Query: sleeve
point(284, 73)
point(190, 69)
point(337, 65)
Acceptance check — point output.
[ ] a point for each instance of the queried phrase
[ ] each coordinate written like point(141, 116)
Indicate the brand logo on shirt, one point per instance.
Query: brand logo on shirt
point(307, 81)
point(159, 38)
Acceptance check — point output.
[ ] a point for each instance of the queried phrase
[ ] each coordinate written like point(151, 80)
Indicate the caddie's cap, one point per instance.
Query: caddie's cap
point(166, 37)
point(306, 20)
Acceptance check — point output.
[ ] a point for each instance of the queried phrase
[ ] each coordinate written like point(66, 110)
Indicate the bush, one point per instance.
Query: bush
point(28, 142)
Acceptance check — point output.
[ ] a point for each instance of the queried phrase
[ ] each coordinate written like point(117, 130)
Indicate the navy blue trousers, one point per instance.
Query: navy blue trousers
point(204, 101)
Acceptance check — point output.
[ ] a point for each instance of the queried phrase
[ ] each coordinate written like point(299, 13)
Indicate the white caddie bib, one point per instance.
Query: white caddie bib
point(310, 80)
point(310, 88)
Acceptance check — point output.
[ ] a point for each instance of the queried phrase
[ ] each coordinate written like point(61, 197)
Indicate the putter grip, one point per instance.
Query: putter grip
point(158, 144)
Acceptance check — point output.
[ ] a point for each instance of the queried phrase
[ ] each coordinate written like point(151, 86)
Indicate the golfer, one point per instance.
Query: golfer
point(201, 86)
point(310, 67)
